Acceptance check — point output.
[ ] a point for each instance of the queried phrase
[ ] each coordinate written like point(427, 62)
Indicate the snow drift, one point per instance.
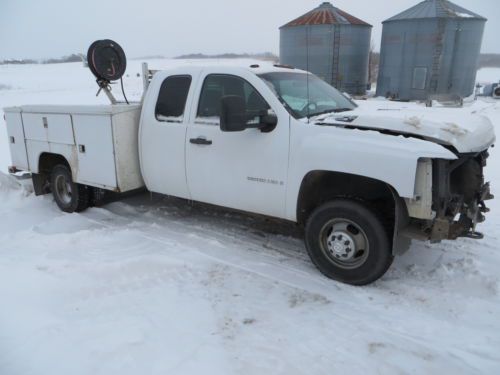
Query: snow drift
point(8, 183)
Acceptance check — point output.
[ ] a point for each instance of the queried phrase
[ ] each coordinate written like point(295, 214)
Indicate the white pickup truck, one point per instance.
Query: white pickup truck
point(274, 141)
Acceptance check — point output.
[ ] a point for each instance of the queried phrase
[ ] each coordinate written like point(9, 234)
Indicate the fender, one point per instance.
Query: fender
point(386, 158)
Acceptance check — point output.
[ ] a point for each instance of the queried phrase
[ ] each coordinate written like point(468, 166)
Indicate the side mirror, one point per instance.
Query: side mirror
point(233, 114)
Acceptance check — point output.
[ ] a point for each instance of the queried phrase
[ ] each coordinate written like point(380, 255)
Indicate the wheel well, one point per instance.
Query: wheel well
point(319, 187)
point(48, 161)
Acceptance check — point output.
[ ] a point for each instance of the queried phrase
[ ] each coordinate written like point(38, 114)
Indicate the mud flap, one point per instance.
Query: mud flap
point(400, 244)
point(40, 184)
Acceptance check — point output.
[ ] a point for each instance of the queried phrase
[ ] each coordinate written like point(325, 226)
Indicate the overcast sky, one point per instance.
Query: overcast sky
point(53, 28)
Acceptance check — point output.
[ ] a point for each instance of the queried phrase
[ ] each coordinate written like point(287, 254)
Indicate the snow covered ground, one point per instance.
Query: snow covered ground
point(154, 285)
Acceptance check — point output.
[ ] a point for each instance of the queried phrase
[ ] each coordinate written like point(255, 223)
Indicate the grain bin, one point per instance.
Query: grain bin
point(331, 44)
point(431, 49)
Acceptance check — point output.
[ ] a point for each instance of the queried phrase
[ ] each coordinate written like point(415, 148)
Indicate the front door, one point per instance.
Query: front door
point(243, 170)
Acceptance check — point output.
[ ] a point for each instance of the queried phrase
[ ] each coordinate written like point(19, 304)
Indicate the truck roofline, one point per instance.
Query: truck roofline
point(257, 68)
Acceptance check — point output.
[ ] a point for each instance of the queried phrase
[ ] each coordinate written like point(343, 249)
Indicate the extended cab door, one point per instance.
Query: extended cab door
point(244, 170)
point(163, 131)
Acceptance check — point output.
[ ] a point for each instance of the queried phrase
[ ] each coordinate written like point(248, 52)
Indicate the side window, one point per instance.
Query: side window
point(216, 86)
point(172, 99)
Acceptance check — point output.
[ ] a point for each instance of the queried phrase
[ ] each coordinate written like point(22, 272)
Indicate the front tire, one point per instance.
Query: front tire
point(348, 242)
point(69, 196)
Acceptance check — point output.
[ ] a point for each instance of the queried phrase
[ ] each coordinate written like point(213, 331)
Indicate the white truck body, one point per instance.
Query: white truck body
point(286, 172)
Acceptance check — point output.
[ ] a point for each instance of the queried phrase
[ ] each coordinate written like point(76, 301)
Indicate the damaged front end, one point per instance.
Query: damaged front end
point(459, 193)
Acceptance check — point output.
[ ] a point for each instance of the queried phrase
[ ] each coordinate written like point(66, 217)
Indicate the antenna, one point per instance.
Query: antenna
point(307, 69)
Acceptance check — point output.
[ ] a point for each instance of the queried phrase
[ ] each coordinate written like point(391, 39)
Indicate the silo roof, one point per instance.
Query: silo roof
point(326, 14)
point(435, 9)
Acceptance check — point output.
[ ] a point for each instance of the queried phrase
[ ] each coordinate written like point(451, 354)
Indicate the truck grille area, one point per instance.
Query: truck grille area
point(459, 195)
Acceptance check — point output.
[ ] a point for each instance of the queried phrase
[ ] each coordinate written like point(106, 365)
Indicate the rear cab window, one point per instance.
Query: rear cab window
point(171, 103)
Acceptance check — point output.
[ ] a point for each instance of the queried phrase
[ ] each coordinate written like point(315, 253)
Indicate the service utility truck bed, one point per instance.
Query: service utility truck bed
point(104, 136)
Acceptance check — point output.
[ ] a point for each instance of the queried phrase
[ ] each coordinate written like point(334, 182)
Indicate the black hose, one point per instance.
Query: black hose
point(123, 91)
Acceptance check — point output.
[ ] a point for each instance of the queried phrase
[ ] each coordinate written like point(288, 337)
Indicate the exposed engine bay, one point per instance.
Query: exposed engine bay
point(459, 193)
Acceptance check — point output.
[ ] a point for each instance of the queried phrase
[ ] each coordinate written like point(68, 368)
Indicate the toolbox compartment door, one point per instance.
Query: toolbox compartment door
point(94, 146)
point(17, 144)
point(52, 128)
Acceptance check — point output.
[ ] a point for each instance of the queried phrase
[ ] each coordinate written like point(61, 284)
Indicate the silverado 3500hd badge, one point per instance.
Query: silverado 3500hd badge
point(266, 181)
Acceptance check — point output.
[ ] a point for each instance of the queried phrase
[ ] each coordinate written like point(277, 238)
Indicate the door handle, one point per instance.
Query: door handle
point(200, 141)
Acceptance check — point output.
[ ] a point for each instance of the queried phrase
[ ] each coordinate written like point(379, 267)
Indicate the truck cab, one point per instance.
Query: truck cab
point(181, 134)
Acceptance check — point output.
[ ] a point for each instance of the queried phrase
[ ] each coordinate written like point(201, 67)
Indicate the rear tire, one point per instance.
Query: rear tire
point(69, 196)
point(348, 242)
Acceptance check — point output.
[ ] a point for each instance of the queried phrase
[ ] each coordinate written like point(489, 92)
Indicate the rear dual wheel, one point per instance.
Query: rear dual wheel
point(69, 196)
point(348, 242)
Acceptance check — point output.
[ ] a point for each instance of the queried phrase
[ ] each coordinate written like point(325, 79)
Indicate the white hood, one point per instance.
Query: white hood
point(465, 132)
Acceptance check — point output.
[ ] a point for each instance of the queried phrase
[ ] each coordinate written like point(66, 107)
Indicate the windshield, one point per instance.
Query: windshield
point(305, 95)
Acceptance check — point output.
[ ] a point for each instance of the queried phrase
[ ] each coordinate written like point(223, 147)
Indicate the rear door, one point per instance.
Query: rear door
point(244, 170)
point(163, 132)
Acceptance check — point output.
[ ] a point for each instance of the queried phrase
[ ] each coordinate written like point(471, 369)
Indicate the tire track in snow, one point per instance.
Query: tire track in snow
point(263, 265)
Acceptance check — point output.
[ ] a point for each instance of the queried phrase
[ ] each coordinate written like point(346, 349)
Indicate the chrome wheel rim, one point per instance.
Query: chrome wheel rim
point(63, 189)
point(344, 243)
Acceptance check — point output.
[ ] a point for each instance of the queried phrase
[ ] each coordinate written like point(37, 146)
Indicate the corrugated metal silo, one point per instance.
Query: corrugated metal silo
point(429, 50)
point(331, 44)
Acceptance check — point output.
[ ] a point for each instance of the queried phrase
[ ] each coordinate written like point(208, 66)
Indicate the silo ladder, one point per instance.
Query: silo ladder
point(438, 55)
point(336, 81)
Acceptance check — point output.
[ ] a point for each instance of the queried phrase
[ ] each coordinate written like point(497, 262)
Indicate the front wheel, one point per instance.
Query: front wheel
point(69, 196)
point(348, 242)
